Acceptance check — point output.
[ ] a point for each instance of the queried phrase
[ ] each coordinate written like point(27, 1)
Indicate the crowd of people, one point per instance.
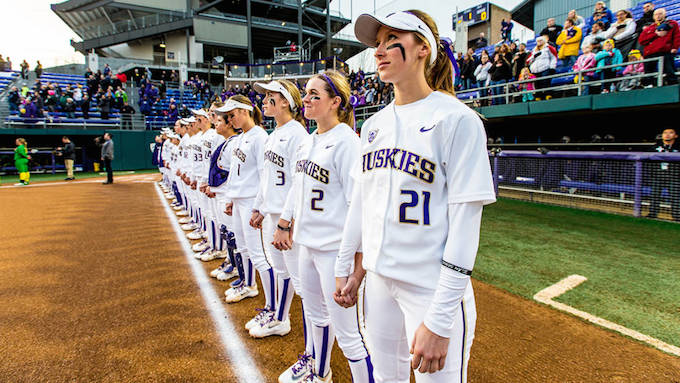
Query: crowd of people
point(601, 40)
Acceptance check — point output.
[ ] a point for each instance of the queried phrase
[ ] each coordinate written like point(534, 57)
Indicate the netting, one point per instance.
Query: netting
point(637, 184)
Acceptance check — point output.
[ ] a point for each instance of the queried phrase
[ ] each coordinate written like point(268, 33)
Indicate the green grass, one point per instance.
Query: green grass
point(11, 179)
point(632, 265)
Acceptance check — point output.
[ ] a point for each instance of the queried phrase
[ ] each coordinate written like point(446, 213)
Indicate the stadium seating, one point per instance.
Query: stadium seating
point(157, 120)
point(7, 78)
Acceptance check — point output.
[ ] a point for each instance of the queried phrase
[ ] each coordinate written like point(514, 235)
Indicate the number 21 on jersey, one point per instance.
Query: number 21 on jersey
point(413, 200)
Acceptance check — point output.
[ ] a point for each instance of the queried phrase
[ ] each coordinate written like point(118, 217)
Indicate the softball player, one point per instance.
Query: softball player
point(189, 178)
point(244, 178)
point(181, 171)
point(319, 203)
point(423, 151)
point(220, 164)
point(284, 103)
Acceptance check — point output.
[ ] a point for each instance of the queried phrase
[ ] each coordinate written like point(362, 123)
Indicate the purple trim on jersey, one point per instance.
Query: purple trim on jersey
point(324, 347)
point(216, 175)
point(284, 296)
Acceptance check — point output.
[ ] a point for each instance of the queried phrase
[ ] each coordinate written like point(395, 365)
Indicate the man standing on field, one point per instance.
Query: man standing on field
point(68, 151)
point(107, 157)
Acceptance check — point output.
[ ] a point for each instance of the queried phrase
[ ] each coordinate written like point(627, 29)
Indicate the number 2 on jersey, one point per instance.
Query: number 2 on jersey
point(413, 203)
point(319, 192)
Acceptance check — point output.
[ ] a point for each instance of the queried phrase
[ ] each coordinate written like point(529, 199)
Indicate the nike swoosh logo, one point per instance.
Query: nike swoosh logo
point(283, 140)
point(330, 146)
point(424, 129)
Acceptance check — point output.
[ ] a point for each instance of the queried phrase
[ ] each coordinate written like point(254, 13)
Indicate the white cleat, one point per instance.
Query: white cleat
point(227, 274)
point(190, 226)
point(184, 220)
point(270, 327)
point(299, 370)
point(239, 293)
point(205, 235)
point(182, 213)
point(311, 378)
point(199, 255)
point(177, 208)
point(200, 246)
point(261, 317)
point(196, 234)
point(220, 269)
point(209, 256)
point(222, 254)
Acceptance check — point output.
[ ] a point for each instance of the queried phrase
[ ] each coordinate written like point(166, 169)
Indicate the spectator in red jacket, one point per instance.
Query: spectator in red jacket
point(661, 39)
point(122, 77)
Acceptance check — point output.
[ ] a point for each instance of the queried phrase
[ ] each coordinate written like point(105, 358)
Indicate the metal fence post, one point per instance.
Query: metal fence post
point(638, 189)
point(507, 96)
point(495, 173)
point(579, 80)
point(659, 68)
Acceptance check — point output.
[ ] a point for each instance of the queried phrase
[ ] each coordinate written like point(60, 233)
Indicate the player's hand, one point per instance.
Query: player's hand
point(178, 174)
point(202, 188)
point(428, 350)
point(283, 240)
point(346, 289)
point(674, 51)
point(193, 185)
point(228, 210)
point(256, 220)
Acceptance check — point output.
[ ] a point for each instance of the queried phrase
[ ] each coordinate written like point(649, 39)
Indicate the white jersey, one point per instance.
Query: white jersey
point(165, 151)
point(183, 153)
point(323, 187)
point(210, 140)
point(279, 167)
point(247, 163)
point(174, 157)
point(416, 159)
point(224, 158)
point(196, 156)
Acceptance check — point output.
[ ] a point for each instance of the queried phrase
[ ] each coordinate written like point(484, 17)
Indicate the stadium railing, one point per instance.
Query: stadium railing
point(469, 96)
point(615, 182)
point(41, 123)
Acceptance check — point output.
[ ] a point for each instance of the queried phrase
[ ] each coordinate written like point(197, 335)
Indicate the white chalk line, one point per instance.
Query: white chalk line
point(241, 363)
point(546, 296)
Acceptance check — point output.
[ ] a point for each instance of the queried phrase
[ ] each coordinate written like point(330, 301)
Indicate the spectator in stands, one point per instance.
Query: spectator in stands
point(622, 31)
point(552, 30)
point(371, 94)
point(585, 61)
point(569, 41)
point(51, 101)
point(145, 106)
point(500, 74)
point(162, 89)
point(578, 20)
point(467, 71)
point(596, 36)
point(68, 153)
point(30, 109)
point(661, 39)
point(506, 30)
point(107, 70)
point(525, 74)
point(666, 175)
point(541, 61)
point(38, 69)
point(173, 76)
point(137, 77)
point(69, 108)
point(85, 106)
point(126, 112)
point(148, 74)
point(172, 112)
point(88, 73)
point(519, 60)
point(184, 111)
point(107, 157)
point(601, 13)
point(105, 104)
point(634, 68)
point(646, 19)
point(121, 97)
point(122, 79)
point(2, 64)
point(482, 74)
point(481, 41)
point(78, 94)
point(13, 99)
point(24, 70)
point(609, 55)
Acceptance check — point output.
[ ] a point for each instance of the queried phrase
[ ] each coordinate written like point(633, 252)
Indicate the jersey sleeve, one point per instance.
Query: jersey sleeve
point(259, 197)
point(458, 262)
point(346, 155)
point(351, 233)
point(466, 161)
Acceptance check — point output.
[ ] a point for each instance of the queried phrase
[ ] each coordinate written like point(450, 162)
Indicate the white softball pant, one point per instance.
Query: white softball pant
point(285, 265)
point(393, 312)
point(317, 281)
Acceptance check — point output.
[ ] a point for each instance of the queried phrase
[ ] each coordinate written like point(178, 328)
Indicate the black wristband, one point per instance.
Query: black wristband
point(283, 228)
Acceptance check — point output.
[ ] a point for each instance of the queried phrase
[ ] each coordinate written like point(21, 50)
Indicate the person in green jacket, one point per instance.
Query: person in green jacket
point(21, 158)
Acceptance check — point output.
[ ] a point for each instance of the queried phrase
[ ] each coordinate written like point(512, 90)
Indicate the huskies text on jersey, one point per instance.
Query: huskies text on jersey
point(313, 170)
point(400, 159)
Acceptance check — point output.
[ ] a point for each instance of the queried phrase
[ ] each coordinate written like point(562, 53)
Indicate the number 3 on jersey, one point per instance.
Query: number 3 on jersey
point(413, 202)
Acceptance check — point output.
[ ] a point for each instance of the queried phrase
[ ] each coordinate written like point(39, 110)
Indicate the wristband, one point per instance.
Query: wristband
point(283, 228)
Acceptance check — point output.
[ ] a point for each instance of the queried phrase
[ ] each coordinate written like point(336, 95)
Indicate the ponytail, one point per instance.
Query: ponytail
point(295, 110)
point(439, 75)
point(255, 114)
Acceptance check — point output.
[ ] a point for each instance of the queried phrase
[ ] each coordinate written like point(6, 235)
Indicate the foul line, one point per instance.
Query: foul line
point(241, 363)
point(546, 296)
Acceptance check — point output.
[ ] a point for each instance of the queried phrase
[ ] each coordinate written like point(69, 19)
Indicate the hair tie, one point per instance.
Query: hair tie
point(446, 44)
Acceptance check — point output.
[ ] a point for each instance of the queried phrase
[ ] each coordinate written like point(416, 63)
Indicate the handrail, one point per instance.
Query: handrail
point(579, 85)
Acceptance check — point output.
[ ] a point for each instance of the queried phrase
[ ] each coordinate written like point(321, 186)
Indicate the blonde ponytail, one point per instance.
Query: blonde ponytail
point(439, 75)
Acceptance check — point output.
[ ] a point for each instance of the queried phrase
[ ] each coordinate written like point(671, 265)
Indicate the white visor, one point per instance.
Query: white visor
point(188, 120)
point(366, 28)
point(200, 112)
point(275, 86)
point(231, 105)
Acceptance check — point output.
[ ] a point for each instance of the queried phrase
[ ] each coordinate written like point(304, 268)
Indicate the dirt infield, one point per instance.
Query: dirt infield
point(95, 287)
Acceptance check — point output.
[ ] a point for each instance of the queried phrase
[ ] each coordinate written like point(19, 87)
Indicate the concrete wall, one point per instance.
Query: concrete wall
point(174, 42)
point(171, 5)
point(142, 50)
